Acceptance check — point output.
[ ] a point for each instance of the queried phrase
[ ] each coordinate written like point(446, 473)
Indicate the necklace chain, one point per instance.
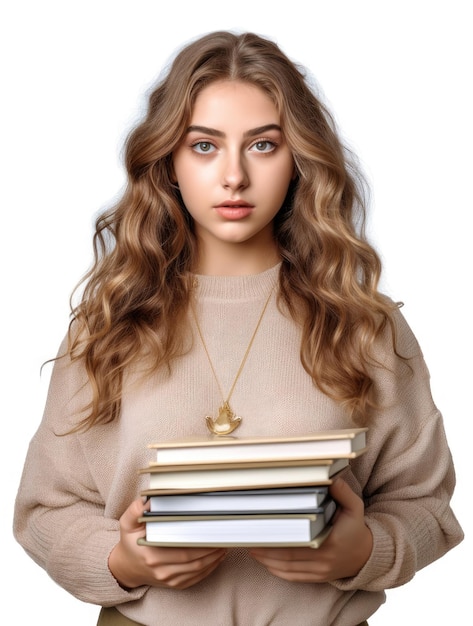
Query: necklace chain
point(227, 421)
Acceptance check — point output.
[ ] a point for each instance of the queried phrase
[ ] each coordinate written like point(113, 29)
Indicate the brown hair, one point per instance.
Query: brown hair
point(136, 294)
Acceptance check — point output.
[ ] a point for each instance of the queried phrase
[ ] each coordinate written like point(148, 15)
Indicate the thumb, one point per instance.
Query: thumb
point(129, 520)
point(344, 496)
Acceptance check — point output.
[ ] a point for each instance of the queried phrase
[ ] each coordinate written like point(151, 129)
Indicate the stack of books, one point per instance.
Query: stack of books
point(230, 491)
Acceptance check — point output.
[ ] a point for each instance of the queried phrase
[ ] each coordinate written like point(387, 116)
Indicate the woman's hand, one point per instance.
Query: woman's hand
point(178, 568)
point(343, 553)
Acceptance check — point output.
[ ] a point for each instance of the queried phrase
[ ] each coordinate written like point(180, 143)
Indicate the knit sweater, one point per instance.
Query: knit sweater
point(75, 487)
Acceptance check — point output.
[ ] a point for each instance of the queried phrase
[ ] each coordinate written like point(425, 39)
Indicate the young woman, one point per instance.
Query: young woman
point(234, 273)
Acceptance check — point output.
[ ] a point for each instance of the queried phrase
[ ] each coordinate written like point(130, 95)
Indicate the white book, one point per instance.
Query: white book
point(244, 475)
point(317, 445)
point(241, 501)
point(237, 529)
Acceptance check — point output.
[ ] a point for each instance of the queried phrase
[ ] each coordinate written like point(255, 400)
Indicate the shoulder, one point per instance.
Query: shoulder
point(400, 373)
point(68, 391)
point(396, 340)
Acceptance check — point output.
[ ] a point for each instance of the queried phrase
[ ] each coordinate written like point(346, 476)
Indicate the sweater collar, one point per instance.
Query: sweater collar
point(237, 287)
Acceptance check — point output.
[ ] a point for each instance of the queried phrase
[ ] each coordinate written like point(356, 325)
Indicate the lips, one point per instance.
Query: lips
point(234, 209)
point(233, 204)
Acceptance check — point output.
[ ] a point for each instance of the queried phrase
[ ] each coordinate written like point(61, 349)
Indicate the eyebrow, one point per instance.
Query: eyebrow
point(218, 133)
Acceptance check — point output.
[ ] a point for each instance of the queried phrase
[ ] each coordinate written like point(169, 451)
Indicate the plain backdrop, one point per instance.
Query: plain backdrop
point(397, 76)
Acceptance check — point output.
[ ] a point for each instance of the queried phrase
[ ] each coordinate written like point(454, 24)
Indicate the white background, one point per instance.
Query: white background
point(397, 74)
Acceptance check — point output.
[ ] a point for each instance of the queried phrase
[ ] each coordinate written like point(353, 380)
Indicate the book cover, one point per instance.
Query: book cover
point(321, 444)
point(241, 501)
point(244, 475)
point(314, 543)
point(255, 529)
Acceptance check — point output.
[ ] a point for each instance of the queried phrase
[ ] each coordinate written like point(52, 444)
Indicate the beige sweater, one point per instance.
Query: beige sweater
point(75, 487)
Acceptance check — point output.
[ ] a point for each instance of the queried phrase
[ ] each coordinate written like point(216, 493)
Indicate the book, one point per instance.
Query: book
point(241, 501)
point(231, 476)
point(322, 444)
point(280, 529)
point(316, 542)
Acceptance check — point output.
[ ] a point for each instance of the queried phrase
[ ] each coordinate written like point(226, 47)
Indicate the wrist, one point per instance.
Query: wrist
point(116, 567)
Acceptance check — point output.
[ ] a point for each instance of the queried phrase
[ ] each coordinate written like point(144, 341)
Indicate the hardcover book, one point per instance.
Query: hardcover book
point(324, 444)
point(218, 477)
point(280, 529)
point(241, 501)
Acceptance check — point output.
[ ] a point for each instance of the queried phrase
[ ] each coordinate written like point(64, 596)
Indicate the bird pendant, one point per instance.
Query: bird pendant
point(225, 423)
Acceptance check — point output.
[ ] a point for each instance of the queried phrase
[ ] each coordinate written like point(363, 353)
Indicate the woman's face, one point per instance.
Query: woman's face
point(233, 167)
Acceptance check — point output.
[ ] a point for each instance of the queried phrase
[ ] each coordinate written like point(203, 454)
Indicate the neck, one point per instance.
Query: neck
point(236, 259)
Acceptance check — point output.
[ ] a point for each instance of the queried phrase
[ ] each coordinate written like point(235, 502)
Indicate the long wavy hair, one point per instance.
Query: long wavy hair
point(136, 295)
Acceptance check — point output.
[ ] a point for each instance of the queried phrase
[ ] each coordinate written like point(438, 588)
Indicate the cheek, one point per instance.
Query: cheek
point(188, 195)
point(192, 179)
point(281, 182)
point(194, 188)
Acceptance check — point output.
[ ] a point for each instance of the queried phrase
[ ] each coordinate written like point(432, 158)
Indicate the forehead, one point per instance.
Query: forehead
point(233, 103)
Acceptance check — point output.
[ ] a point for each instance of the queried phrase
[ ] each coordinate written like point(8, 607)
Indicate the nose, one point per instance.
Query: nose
point(235, 172)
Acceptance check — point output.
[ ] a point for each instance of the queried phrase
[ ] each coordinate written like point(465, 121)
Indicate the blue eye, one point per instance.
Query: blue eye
point(203, 147)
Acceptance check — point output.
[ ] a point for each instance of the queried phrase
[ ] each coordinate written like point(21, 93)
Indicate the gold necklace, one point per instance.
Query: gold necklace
point(227, 421)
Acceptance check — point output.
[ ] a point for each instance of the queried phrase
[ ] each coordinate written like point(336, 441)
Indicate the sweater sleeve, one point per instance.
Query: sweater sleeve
point(59, 516)
point(409, 476)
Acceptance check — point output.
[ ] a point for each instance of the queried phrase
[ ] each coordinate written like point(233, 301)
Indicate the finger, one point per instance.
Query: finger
point(188, 580)
point(184, 556)
point(301, 577)
point(184, 574)
point(302, 571)
point(283, 554)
